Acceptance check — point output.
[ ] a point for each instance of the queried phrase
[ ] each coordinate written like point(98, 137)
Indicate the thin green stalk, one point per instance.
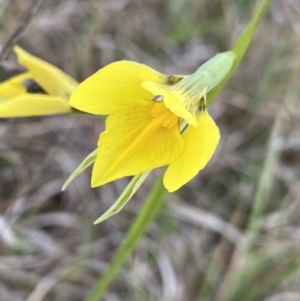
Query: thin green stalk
point(240, 47)
point(144, 218)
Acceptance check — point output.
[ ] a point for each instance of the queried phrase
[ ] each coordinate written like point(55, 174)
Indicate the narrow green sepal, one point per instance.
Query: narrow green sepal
point(124, 198)
point(89, 160)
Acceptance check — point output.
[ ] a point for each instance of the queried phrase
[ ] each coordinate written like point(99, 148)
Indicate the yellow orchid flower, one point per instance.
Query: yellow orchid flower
point(154, 120)
point(42, 90)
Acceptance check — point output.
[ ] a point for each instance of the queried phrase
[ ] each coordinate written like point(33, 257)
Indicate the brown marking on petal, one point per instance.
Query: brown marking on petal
point(172, 80)
point(202, 105)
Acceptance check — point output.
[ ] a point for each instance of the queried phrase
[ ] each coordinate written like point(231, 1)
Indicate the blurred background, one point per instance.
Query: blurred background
point(232, 233)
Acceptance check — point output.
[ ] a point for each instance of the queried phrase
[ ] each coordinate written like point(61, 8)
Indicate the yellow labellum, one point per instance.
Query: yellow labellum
point(142, 131)
point(42, 90)
point(133, 128)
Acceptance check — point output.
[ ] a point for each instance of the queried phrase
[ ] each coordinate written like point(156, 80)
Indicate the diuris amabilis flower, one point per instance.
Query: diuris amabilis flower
point(154, 120)
point(42, 90)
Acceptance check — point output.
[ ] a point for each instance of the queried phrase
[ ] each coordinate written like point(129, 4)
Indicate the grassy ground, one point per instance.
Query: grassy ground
point(231, 234)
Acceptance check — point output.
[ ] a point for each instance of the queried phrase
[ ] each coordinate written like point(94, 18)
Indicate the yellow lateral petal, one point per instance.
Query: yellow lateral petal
point(140, 135)
point(199, 146)
point(99, 93)
point(14, 86)
point(26, 105)
point(50, 78)
point(171, 100)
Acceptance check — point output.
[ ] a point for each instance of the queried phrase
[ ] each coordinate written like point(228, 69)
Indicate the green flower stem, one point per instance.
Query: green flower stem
point(144, 218)
point(240, 47)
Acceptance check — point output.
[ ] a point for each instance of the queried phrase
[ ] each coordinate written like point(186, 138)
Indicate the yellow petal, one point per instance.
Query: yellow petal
point(99, 93)
point(199, 146)
point(50, 78)
point(14, 86)
point(140, 135)
point(172, 100)
point(33, 105)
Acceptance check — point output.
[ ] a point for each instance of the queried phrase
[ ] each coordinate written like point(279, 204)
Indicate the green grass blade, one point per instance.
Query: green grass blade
point(241, 46)
point(144, 218)
point(124, 198)
point(266, 179)
point(89, 160)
